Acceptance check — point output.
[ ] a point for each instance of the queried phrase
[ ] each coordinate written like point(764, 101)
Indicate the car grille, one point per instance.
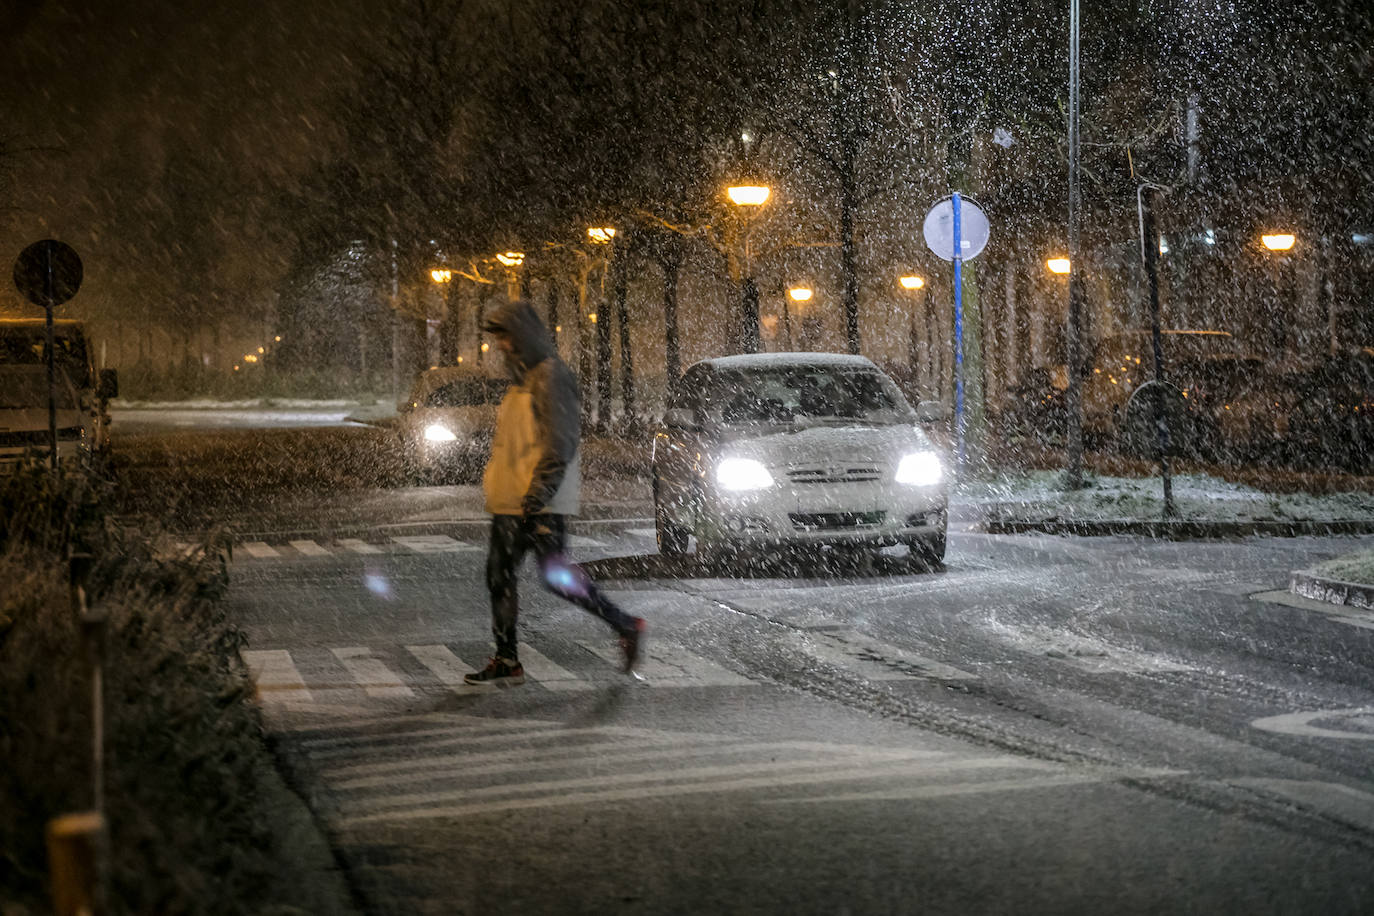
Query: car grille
point(22, 437)
point(835, 521)
point(833, 475)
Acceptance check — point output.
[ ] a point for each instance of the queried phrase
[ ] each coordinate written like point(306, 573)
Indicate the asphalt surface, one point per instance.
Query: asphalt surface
point(1044, 725)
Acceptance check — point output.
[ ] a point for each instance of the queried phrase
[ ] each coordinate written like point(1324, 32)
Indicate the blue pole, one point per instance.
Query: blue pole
point(958, 330)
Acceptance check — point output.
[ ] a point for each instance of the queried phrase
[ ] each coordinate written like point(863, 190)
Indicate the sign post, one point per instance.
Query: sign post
point(48, 273)
point(956, 229)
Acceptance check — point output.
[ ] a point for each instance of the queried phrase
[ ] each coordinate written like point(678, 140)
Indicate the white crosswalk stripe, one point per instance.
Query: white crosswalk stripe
point(549, 674)
point(371, 673)
point(355, 545)
point(672, 665)
point(276, 676)
point(441, 661)
point(260, 549)
point(578, 540)
point(432, 543)
point(310, 549)
point(642, 532)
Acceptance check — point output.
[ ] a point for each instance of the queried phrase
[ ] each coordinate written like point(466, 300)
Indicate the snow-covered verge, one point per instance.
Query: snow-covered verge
point(246, 404)
point(1197, 497)
point(1355, 567)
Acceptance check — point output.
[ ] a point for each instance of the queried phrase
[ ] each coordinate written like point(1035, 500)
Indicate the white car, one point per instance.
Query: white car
point(446, 423)
point(776, 449)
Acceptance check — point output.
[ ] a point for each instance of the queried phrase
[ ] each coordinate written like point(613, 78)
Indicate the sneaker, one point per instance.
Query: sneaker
point(497, 673)
point(632, 643)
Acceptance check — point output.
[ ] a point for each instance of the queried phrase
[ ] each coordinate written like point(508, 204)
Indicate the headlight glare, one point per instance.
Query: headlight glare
point(920, 469)
point(437, 432)
point(742, 474)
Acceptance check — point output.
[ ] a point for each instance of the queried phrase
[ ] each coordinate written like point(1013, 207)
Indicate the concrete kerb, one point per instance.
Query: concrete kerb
point(1177, 529)
point(1309, 584)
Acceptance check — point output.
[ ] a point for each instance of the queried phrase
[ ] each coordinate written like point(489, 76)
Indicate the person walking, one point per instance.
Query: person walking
point(532, 483)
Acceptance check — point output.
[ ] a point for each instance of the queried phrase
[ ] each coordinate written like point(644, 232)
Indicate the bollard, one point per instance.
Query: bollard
point(75, 842)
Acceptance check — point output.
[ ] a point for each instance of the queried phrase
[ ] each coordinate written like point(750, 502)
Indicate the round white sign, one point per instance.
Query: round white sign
point(939, 228)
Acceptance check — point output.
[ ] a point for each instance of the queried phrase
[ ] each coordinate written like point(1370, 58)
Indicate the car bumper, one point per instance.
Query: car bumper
point(837, 517)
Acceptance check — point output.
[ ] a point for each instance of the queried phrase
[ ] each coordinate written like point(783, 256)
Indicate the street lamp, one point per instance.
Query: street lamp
point(912, 282)
point(441, 275)
point(601, 235)
point(797, 294)
point(1058, 265)
point(748, 197)
point(1278, 241)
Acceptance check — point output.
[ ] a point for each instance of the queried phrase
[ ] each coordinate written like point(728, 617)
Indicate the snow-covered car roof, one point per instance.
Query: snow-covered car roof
point(784, 360)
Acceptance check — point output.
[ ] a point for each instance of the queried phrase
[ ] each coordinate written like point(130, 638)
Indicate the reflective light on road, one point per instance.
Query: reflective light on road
point(379, 585)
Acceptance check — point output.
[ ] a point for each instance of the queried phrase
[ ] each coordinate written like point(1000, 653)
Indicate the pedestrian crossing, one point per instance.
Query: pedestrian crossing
point(413, 544)
point(346, 675)
point(410, 769)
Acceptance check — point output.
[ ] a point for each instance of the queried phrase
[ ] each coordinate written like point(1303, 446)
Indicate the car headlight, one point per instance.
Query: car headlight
point(743, 474)
point(920, 469)
point(437, 432)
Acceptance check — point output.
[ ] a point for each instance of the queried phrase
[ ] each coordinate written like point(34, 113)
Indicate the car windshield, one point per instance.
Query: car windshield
point(803, 396)
point(28, 347)
point(468, 392)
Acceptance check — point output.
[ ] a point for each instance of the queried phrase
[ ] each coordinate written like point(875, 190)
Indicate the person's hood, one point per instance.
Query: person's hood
point(521, 323)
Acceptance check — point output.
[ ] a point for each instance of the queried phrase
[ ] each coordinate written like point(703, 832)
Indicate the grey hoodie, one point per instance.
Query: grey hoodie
point(534, 453)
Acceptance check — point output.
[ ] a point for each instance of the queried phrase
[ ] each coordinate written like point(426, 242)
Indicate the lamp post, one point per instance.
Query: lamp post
point(447, 337)
point(911, 283)
point(1279, 245)
point(797, 294)
point(512, 260)
point(1073, 478)
point(748, 198)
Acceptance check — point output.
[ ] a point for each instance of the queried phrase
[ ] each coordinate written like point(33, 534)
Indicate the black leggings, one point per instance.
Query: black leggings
point(547, 535)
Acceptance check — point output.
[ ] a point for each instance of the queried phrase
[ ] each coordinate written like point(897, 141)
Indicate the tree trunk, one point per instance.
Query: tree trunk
point(671, 262)
point(849, 262)
point(620, 290)
point(603, 368)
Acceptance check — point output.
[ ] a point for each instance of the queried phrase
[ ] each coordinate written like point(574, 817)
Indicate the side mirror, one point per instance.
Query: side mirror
point(928, 412)
point(108, 385)
point(681, 418)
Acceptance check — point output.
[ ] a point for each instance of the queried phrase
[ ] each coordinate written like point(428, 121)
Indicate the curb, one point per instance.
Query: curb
point(1309, 584)
point(1178, 529)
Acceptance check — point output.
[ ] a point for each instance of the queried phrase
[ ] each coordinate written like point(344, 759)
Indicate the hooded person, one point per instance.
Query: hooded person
point(532, 484)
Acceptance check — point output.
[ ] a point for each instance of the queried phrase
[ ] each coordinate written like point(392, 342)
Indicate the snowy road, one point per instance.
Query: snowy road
point(1046, 725)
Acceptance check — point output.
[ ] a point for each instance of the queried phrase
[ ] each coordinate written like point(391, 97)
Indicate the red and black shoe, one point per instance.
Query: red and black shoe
point(632, 645)
point(498, 673)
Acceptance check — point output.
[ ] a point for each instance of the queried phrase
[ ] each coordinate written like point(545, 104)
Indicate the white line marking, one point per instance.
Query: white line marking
point(358, 546)
point(276, 676)
point(520, 735)
point(945, 790)
point(877, 660)
point(1300, 724)
point(548, 673)
point(558, 787)
point(770, 781)
point(578, 540)
point(609, 756)
point(642, 532)
point(371, 673)
point(432, 543)
point(446, 666)
point(310, 548)
point(260, 549)
point(672, 665)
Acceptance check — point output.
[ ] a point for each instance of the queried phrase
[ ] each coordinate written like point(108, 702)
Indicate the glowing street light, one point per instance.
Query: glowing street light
point(912, 282)
point(797, 294)
point(1057, 265)
point(441, 275)
point(511, 258)
point(748, 195)
point(800, 294)
point(601, 235)
point(1279, 241)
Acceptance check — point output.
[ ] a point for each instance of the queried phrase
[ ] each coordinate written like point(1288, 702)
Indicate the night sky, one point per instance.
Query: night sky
point(98, 96)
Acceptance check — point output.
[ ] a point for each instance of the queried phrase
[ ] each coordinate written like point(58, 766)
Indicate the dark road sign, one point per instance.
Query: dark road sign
point(48, 273)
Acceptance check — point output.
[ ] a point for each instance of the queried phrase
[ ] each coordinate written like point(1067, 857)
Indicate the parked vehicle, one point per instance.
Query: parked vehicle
point(82, 394)
point(795, 449)
point(1217, 398)
point(447, 421)
point(1332, 420)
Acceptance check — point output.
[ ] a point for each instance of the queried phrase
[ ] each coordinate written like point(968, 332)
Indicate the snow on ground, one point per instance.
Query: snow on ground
point(1355, 567)
point(250, 403)
point(1197, 497)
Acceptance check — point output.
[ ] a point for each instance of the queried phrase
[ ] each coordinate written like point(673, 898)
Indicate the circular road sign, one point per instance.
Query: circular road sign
point(939, 228)
point(48, 273)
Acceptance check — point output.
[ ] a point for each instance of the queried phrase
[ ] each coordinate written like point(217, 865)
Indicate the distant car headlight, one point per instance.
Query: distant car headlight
point(743, 474)
point(437, 432)
point(920, 469)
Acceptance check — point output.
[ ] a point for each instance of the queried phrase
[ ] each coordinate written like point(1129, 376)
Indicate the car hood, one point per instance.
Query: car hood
point(827, 445)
